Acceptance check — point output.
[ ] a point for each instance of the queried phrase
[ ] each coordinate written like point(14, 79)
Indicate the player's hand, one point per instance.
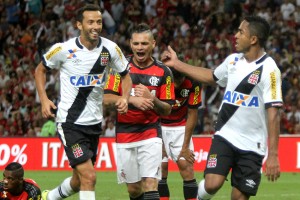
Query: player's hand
point(47, 108)
point(122, 105)
point(272, 170)
point(188, 155)
point(169, 57)
point(142, 103)
point(142, 91)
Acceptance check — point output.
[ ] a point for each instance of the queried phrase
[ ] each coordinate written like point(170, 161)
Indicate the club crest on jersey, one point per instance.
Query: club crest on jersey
point(77, 151)
point(104, 58)
point(154, 81)
point(212, 161)
point(184, 92)
point(87, 80)
point(254, 77)
point(239, 99)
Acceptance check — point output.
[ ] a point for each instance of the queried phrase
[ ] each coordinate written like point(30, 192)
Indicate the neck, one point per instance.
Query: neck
point(90, 45)
point(254, 55)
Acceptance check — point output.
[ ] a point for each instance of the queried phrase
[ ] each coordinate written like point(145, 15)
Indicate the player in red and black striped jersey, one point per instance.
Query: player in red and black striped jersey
point(15, 187)
point(139, 145)
point(177, 130)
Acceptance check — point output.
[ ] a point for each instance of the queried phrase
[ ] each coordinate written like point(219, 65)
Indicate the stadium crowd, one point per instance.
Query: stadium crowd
point(201, 31)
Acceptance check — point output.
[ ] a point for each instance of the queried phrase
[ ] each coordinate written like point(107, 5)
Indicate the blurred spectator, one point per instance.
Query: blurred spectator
point(48, 128)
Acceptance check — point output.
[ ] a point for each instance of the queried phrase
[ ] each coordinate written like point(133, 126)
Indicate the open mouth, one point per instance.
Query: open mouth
point(140, 54)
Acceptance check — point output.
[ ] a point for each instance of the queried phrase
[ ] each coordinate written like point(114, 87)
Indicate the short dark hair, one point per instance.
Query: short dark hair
point(258, 27)
point(16, 168)
point(87, 7)
point(141, 28)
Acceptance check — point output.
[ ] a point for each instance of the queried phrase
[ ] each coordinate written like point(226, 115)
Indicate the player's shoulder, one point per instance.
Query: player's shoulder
point(162, 65)
point(30, 181)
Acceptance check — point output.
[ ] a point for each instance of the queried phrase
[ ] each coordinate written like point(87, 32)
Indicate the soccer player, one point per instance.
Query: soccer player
point(248, 120)
point(15, 187)
point(177, 131)
point(83, 63)
point(139, 145)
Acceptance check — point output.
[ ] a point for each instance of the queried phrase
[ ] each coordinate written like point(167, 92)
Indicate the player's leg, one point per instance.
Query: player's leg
point(190, 186)
point(218, 165)
point(186, 169)
point(81, 151)
point(67, 188)
point(163, 187)
point(149, 159)
point(135, 191)
point(246, 175)
point(128, 171)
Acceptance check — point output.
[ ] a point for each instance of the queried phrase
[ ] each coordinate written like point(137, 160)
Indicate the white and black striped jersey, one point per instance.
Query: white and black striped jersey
point(82, 77)
point(251, 88)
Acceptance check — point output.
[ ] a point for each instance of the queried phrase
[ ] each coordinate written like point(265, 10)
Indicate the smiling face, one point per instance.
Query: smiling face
point(142, 45)
point(90, 26)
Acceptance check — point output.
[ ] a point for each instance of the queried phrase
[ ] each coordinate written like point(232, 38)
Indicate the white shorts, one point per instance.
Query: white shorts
point(173, 138)
point(137, 162)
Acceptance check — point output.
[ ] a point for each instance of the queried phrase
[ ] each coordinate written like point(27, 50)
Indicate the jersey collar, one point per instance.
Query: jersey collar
point(81, 46)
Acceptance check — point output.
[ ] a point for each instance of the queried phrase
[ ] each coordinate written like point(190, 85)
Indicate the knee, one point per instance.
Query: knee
point(89, 177)
point(134, 190)
point(212, 187)
point(149, 184)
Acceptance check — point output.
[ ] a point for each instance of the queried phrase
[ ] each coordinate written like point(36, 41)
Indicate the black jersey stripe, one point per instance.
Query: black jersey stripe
point(228, 110)
point(80, 101)
point(137, 128)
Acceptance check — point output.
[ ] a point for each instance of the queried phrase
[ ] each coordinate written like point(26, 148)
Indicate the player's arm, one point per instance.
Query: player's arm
point(201, 74)
point(40, 81)
point(272, 163)
point(122, 103)
point(190, 125)
point(160, 107)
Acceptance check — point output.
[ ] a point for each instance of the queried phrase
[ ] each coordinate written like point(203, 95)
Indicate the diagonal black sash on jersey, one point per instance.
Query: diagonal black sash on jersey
point(244, 87)
point(81, 99)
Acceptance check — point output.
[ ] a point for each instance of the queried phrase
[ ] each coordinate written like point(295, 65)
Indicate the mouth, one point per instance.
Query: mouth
point(94, 34)
point(140, 54)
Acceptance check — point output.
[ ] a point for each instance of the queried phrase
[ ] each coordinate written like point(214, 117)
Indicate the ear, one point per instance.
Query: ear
point(153, 44)
point(254, 40)
point(79, 25)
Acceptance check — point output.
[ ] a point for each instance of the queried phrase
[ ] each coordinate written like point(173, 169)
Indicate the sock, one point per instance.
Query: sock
point(163, 189)
point(151, 195)
point(141, 197)
point(190, 189)
point(202, 194)
point(63, 191)
point(87, 195)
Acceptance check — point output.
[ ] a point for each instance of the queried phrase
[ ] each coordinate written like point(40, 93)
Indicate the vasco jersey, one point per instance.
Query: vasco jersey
point(187, 95)
point(136, 126)
point(251, 88)
point(82, 77)
point(31, 191)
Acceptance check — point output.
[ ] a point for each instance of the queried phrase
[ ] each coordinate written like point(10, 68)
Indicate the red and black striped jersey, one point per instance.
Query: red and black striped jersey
point(137, 125)
point(31, 191)
point(187, 95)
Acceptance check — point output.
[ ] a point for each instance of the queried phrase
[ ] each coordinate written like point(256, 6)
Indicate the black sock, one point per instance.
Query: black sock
point(141, 197)
point(163, 188)
point(190, 189)
point(151, 195)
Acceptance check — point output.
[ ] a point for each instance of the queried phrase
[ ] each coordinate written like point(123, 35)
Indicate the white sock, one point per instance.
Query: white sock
point(202, 194)
point(63, 191)
point(87, 195)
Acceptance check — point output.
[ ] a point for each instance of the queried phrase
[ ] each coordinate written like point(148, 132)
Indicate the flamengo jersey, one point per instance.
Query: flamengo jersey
point(136, 126)
point(82, 77)
point(31, 191)
point(188, 95)
point(251, 88)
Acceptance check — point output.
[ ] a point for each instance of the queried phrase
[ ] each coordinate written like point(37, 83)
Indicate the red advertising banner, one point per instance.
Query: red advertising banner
point(48, 153)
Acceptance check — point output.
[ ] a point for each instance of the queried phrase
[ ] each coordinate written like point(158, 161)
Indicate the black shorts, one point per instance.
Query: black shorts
point(80, 142)
point(245, 166)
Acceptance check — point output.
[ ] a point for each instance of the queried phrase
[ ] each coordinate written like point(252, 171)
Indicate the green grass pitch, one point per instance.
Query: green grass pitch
point(287, 187)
